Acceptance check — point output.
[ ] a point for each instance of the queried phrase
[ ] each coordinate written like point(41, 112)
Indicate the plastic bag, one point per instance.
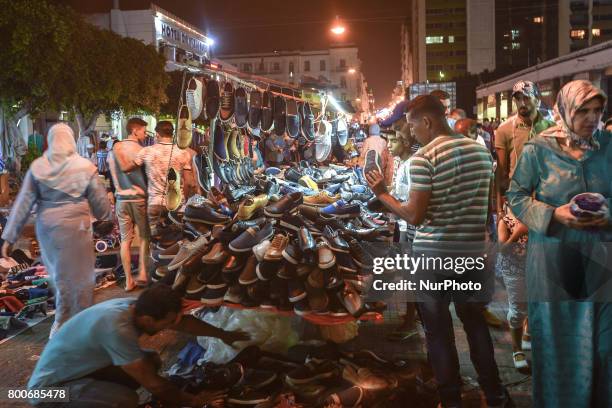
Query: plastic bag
point(269, 331)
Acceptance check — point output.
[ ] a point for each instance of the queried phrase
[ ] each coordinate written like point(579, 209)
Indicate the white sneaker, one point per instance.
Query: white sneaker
point(260, 249)
point(526, 344)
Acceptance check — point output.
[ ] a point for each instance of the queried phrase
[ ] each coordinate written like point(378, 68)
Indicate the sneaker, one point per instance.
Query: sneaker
point(350, 397)
point(297, 291)
point(280, 115)
point(195, 288)
point(266, 270)
point(241, 107)
point(217, 255)
point(257, 379)
point(326, 257)
point(186, 251)
point(184, 132)
point(232, 269)
point(341, 209)
point(308, 182)
point(255, 105)
point(174, 194)
point(372, 162)
point(313, 370)
point(193, 97)
point(250, 206)
point(248, 274)
point(251, 237)
point(248, 397)
point(302, 307)
point(171, 251)
point(266, 111)
point(292, 253)
point(226, 112)
point(350, 299)
point(213, 296)
point(288, 204)
point(235, 294)
point(260, 249)
point(212, 99)
point(204, 214)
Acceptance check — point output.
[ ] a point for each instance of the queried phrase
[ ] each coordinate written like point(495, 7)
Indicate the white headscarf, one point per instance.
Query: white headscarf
point(60, 167)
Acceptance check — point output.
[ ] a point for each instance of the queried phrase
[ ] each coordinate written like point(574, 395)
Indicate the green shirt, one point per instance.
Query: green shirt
point(458, 172)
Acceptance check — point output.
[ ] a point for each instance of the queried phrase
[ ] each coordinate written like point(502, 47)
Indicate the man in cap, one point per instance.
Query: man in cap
point(510, 137)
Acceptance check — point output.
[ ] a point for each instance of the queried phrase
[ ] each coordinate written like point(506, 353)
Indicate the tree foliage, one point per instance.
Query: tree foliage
point(55, 60)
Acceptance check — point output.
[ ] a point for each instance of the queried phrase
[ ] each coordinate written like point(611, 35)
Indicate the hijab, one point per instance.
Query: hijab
point(571, 98)
point(60, 167)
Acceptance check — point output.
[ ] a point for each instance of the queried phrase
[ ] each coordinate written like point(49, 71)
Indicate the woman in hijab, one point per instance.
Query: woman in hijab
point(568, 264)
point(67, 190)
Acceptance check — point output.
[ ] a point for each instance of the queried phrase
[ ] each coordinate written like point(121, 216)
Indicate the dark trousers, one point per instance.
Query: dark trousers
point(442, 352)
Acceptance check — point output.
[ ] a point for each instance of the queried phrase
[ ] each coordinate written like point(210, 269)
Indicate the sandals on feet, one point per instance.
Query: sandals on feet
point(520, 362)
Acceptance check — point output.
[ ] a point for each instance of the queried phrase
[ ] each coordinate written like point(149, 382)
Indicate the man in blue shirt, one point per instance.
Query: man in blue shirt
point(96, 354)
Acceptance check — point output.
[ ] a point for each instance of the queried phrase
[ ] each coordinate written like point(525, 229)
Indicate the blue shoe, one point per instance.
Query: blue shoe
point(359, 188)
point(341, 209)
point(333, 189)
point(272, 171)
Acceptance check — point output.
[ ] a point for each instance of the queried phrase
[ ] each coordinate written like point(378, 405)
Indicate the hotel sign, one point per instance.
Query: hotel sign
point(180, 36)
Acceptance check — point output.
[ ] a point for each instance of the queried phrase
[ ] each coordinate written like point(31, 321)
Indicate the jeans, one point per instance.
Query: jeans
point(442, 352)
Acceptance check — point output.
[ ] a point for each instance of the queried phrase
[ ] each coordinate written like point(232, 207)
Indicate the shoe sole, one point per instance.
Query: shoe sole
point(297, 298)
point(259, 275)
point(302, 312)
point(245, 282)
point(290, 259)
point(212, 302)
point(299, 381)
point(234, 249)
point(176, 266)
point(327, 265)
point(167, 256)
point(205, 222)
point(292, 211)
point(250, 402)
point(341, 216)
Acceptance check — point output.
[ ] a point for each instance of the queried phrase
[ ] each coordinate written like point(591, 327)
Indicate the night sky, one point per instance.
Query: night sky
point(240, 26)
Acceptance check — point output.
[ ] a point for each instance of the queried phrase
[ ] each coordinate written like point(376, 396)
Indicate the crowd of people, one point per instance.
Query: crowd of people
point(446, 178)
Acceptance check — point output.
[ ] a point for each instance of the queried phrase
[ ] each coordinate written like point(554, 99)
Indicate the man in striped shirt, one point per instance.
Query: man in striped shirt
point(448, 202)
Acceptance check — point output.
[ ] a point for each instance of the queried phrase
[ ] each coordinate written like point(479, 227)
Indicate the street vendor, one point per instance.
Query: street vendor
point(96, 355)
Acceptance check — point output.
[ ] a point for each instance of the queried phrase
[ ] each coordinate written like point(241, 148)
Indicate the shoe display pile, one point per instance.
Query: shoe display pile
point(309, 375)
point(293, 244)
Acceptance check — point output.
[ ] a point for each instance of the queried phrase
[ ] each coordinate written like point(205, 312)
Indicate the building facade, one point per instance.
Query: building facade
point(337, 69)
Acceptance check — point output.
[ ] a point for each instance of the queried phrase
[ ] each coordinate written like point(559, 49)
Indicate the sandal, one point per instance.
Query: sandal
point(520, 362)
point(131, 288)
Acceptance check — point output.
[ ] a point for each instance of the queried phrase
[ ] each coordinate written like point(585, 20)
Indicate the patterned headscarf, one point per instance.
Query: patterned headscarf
point(571, 98)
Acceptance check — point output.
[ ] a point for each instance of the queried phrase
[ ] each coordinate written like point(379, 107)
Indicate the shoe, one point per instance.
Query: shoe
point(348, 398)
point(250, 206)
point(333, 189)
point(216, 197)
point(287, 204)
point(160, 273)
point(217, 255)
point(266, 270)
point(214, 296)
point(361, 280)
point(267, 111)
point(174, 195)
point(248, 397)
point(336, 308)
point(272, 171)
point(297, 291)
point(308, 130)
point(375, 205)
point(323, 142)
point(326, 257)
point(312, 371)
point(306, 241)
point(195, 289)
point(277, 246)
point(361, 257)
point(350, 299)
point(204, 214)
point(342, 132)
point(336, 242)
point(251, 237)
point(193, 97)
point(322, 199)
point(243, 225)
point(232, 269)
point(345, 263)
point(292, 253)
point(292, 174)
point(317, 296)
point(340, 209)
point(258, 292)
point(294, 222)
point(212, 99)
point(171, 251)
point(248, 275)
point(186, 251)
point(184, 132)
point(372, 162)
point(260, 249)
point(288, 271)
point(241, 107)
point(193, 265)
point(258, 379)
point(292, 120)
point(220, 377)
point(308, 182)
point(255, 105)
point(225, 234)
point(302, 307)
point(520, 362)
point(226, 111)
point(280, 115)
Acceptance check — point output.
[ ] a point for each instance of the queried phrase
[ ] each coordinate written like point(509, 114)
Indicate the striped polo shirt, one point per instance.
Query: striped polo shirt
point(458, 171)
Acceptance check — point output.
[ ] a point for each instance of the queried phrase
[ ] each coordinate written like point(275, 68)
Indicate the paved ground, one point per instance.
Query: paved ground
point(19, 355)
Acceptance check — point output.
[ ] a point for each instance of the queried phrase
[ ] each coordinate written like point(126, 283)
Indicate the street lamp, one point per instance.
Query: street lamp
point(442, 75)
point(338, 28)
point(351, 70)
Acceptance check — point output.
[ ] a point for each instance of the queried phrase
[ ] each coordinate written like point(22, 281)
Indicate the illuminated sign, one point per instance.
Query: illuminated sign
point(181, 36)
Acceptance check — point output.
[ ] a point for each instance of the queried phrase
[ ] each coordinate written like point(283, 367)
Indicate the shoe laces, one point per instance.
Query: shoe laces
point(277, 242)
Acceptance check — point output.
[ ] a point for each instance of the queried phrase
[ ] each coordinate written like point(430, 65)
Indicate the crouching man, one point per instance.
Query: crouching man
point(96, 354)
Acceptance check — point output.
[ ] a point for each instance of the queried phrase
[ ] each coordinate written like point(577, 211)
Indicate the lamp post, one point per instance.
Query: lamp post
point(338, 28)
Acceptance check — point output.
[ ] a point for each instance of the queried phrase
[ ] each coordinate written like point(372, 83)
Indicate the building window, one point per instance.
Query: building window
point(248, 67)
point(514, 34)
point(306, 66)
point(451, 39)
point(596, 32)
point(342, 82)
point(516, 46)
point(291, 67)
point(434, 39)
point(261, 68)
point(322, 65)
point(276, 67)
point(538, 20)
point(342, 63)
point(577, 34)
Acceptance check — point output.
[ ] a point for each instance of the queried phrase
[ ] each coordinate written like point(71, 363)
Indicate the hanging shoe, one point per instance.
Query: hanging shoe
point(212, 99)
point(308, 130)
point(226, 111)
point(342, 132)
point(280, 115)
point(292, 120)
point(174, 195)
point(193, 97)
point(255, 105)
point(241, 107)
point(185, 133)
point(323, 143)
point(267, 111)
